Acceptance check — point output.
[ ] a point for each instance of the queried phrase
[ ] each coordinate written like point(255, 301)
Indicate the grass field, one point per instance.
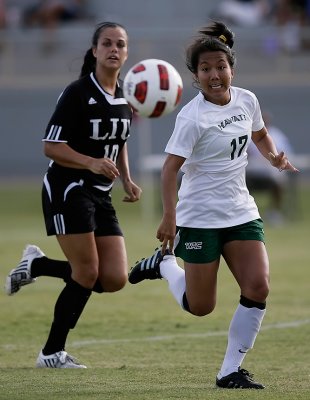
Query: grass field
point(137, 343)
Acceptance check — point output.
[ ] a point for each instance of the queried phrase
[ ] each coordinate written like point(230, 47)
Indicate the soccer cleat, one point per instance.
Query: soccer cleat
point(61, 359)
point(241, 379)
point(147, 268)
point(21, 275)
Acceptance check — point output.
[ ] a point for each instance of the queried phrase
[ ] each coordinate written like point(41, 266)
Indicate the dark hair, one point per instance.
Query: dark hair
point(214, 37)
point(89, 63)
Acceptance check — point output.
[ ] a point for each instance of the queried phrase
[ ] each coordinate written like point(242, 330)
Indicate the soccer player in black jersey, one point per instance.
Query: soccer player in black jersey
point(86, 142)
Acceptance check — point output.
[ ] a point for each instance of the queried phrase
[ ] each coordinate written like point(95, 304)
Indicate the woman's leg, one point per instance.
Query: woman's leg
point(193, 287)
point(113, 264)
point(81, 252)
point(201, 282)
point(248, 262)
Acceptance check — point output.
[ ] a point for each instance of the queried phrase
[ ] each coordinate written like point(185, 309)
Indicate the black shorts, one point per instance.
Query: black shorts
point(71, 207)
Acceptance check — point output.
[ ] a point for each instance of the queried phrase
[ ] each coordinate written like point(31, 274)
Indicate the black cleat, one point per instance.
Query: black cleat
point(147, 268)
point(241, 379)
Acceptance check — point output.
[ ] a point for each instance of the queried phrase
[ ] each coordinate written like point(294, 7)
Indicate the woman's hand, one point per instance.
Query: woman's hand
point(166, 233)
point(133, 191)
point(104, 166)
point(281, 162)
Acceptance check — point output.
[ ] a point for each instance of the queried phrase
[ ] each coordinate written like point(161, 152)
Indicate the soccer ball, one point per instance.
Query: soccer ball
point(153, 88)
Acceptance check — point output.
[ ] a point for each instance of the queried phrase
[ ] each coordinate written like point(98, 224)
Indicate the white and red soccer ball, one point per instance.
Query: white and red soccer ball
point(153, 88)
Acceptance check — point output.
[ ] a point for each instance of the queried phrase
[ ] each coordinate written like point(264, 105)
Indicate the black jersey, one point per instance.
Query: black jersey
point(91, 122)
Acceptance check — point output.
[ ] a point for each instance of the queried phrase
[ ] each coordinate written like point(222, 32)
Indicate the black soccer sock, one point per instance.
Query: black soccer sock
point(56, 339)
point(68, 309)
point(245, 302)
point(44, 266)
point(98, 287)
point(185, 303)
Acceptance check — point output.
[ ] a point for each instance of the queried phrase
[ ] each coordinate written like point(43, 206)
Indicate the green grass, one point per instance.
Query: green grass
point(137, 343)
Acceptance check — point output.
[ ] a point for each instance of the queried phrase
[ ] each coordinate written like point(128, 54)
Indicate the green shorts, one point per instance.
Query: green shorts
point(200, 246)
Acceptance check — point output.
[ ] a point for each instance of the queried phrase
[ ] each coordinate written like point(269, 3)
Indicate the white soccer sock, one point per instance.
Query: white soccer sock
point(175, 275)
point(243, 330)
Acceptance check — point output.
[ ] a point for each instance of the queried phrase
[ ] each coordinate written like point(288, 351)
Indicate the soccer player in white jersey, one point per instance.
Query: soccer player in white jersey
point(215, 215)
point(86, 141)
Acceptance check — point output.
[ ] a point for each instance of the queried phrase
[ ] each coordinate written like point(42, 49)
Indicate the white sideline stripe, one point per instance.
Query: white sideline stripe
point(279, 325)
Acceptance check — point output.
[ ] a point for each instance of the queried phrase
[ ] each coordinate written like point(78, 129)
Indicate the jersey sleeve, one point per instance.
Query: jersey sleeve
point(258, 122)
point(64, 121)
point(183, 138)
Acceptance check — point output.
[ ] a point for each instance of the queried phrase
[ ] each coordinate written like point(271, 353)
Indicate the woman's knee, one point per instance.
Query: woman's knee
point(264, 291)
point(200, 309)
point(114, 283)
point(86, 276)
point(258, 291)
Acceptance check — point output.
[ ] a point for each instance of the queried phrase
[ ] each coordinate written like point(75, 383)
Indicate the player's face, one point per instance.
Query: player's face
point(111, 51)
point(215, 75)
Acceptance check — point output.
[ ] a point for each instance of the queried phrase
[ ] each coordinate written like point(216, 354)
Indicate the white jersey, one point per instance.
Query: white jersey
point(214, 140)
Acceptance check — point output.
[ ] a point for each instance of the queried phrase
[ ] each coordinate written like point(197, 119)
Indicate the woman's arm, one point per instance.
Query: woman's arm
point(264, 142)
point(133, 191)
point(267, 147)
point(169, 178)
point(65, 156)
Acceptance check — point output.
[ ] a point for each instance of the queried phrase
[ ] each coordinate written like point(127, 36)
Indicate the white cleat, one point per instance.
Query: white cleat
point(21, 275)
point(61, 359)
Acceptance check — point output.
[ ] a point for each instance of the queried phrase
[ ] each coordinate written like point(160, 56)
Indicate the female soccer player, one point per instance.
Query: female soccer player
point(86, 141)
point(215, 215)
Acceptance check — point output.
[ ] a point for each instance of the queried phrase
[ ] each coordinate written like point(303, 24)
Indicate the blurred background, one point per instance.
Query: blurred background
point(40, 53)
point(42, 49)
